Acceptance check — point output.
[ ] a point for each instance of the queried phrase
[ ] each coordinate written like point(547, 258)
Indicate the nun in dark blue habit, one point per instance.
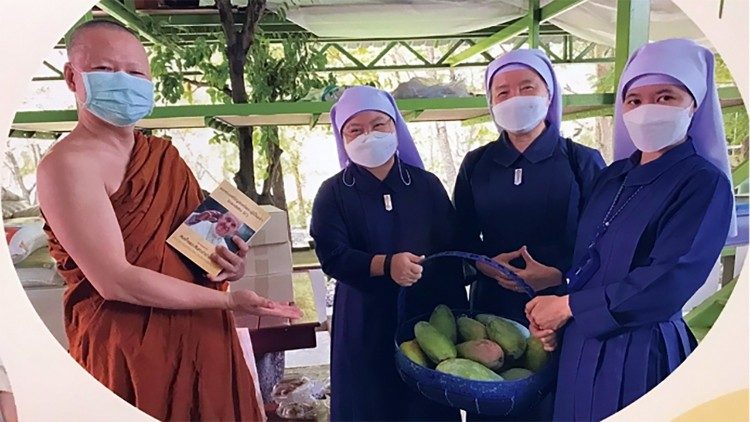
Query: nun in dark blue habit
point(373, 223)
point(522, 194)
point(652, 230)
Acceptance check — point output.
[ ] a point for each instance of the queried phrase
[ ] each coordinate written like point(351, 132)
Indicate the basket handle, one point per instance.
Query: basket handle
point(489, 262)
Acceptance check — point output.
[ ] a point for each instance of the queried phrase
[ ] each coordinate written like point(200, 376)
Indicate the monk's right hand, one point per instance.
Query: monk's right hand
point(248, 301)
point(406, 269)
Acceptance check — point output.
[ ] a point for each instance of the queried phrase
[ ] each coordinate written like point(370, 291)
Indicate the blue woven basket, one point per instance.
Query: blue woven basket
point(491, 398)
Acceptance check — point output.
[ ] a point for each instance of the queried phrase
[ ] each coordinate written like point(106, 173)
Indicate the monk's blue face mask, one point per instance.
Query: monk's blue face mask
point(117, 97)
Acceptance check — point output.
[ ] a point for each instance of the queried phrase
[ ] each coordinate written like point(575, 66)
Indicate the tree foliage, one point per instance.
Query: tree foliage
point(239, 67)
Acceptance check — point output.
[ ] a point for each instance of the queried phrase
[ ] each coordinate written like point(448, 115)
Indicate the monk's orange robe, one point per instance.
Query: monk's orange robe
point(173, 365)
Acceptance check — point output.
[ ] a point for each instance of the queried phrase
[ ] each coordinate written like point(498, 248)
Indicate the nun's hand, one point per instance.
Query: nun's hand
point(548, 312)
point(406, 269)
point(536, 274)
point(547, 337)
point(504, 259)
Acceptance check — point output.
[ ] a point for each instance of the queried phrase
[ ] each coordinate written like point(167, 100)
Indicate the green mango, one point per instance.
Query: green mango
point(468, 369)
point(483, 351)
point(435, 345)
point(411, 350)
point(508, 336)
point(486, 318)
point(442, 319)
point(471, 329)
point(516, 374)
point(536, 357)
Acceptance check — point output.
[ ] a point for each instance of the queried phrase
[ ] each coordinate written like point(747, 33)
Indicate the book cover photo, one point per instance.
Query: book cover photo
point(227, 212)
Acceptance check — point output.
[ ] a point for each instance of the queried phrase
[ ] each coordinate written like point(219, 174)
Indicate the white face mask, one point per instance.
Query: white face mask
point(655, 126)
point(372, 149)
point(520, 114)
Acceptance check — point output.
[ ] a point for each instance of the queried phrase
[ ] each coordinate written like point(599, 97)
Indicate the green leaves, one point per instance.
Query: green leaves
point(286, 70)
point(170, 88)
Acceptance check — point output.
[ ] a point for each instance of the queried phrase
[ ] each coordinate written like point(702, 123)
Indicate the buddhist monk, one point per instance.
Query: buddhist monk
point(139, 317)
point(7, 402)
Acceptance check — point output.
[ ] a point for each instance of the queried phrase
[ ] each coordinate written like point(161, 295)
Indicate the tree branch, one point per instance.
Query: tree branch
point(227, 21)
point(254, 12)
point(225, 89)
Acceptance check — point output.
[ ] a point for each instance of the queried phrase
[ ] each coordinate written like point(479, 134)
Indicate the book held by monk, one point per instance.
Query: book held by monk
point(226, 213)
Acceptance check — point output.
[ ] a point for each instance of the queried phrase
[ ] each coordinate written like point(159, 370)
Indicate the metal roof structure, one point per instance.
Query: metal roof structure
point(179, 23)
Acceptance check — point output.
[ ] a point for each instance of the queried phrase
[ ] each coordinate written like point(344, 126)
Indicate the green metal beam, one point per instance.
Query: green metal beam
point(382, 54)
point(633, 18)
point(587, 114)
point(412, 115)
point(314, 120)
point(534, 21)
point(350, 56)
point(740, 173)
point(556, 8)
point(28, 134)
point(417, 105)
point(729, 93)
point(366, 67)
point(218, 124)
point(49, 66)
point(141, 24)
point(605, 108)
point(551, 54)
point(519, 26)
point(450, 51)
point(256, 109)
point(597, 104)
point(271, 23)
point(585, 51)
point(734, 109)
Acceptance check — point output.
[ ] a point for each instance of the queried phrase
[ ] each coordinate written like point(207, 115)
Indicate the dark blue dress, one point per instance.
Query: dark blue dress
point(627, 332)
point(350, 225)
point(540, 212)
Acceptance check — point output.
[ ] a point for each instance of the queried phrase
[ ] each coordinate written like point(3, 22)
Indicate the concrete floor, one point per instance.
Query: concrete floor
point(320, 355)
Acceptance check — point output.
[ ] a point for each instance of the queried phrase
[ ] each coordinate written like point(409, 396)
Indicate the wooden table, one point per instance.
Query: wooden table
point(282, 338)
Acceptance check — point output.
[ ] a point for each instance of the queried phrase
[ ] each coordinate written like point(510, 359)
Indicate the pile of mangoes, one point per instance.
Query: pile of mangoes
point(485, 348)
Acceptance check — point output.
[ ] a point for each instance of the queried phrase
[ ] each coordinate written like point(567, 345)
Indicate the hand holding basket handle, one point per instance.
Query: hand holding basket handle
point(489, 262)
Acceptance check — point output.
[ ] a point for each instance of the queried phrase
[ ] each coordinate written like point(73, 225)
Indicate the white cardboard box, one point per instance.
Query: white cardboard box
point(269, 259)
point(276, 230)
point(276, 287)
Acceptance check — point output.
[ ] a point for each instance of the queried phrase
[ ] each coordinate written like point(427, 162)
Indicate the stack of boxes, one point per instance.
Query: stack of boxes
point(268, 269)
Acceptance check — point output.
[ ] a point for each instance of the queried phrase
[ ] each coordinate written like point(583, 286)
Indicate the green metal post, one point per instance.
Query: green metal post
point(142, 24)
point(534, 21)
point(633, 18)
point(518, 26)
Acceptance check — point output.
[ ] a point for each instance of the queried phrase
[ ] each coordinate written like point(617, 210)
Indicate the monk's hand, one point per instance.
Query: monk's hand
point(504, 259)
point(548, 338)
point(549, 312)
point(248, 301)
point(232, 264)
point(406, 268)
point(536, 275)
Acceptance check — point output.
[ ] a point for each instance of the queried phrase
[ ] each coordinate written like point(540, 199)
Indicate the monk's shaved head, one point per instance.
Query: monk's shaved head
point(103, 46)
point(80, 33)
